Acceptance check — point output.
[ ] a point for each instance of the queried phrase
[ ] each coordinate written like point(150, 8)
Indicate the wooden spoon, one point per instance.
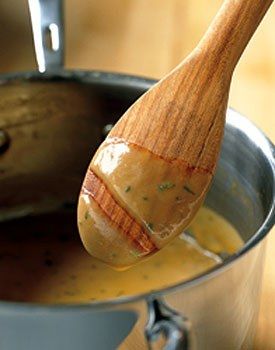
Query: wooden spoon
point(151, 174)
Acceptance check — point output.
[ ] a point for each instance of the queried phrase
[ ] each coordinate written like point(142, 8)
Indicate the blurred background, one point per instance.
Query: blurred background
point(149, 37)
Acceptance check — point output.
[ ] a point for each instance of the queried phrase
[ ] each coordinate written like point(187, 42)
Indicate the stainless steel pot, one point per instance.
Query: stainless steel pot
point(50, 124)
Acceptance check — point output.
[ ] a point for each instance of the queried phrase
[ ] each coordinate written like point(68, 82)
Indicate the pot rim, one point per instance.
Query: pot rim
point(233, 118)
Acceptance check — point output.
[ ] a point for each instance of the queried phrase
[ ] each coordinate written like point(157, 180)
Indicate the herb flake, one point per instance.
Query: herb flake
point(86, 215)
point(150, 225)
point(187, 189)
point(189, 234)
point(128, 189)
point(145, 198)
point(135, 253)
point(166, 186)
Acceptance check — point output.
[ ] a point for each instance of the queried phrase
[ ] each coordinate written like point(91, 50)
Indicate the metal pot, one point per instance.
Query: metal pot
point(60, 116)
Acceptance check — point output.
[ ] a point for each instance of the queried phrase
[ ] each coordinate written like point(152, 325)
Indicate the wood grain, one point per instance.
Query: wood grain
point(149, 38)
point(182, 117)
point(118, 216)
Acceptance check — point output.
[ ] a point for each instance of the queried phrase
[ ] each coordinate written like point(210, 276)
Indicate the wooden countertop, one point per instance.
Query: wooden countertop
point(149, 38)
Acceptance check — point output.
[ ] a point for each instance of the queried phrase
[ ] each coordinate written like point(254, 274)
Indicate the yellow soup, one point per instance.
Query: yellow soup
point(43, 260)
point(133, 202)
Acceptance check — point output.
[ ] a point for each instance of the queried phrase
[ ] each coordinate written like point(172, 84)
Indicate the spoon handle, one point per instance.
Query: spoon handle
point(231, 30)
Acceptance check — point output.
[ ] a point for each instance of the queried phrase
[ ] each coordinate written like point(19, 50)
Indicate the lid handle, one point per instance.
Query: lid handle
point(48, 33)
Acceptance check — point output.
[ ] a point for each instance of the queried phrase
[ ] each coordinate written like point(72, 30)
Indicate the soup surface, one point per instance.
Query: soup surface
point(43, 260)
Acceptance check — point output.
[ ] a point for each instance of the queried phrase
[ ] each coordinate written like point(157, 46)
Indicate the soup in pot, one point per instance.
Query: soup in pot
point(42, 260)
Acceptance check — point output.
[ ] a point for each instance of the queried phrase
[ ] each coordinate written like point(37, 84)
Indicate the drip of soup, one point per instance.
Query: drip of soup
point(43, 260)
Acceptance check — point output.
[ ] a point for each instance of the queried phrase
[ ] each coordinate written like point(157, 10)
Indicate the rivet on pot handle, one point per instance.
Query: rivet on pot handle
point(163, 321)
point(48, 33)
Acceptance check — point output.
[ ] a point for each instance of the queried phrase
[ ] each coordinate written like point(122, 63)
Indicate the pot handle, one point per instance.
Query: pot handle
point(48, 33)
point(164, 321)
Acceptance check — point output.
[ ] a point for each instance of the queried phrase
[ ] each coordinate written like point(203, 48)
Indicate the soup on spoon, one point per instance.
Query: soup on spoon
point(148, 179)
